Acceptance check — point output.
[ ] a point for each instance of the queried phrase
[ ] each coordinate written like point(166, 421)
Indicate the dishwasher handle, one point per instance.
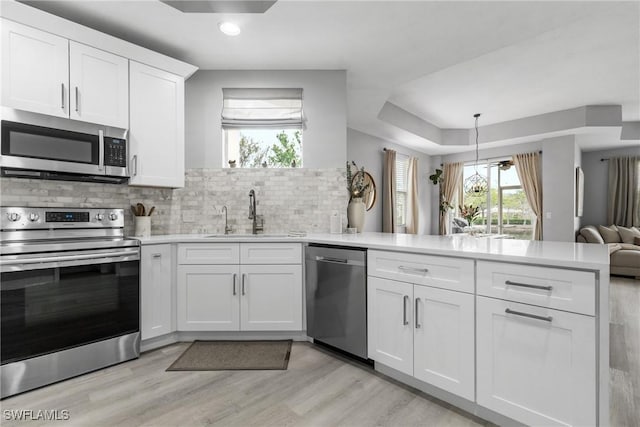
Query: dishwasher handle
point(339, 260)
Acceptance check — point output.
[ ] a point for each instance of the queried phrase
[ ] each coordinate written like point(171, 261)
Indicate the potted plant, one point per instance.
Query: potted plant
point(470, 213)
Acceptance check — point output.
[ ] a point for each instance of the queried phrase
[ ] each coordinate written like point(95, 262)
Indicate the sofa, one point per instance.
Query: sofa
point(623, 243)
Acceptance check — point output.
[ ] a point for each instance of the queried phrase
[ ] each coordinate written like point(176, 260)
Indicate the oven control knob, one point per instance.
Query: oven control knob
point(113, 216)
point(33, 217)
point(13, 216)
point(99, 217)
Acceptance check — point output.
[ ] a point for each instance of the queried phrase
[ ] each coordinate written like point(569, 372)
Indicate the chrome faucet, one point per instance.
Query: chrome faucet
point(258, 220)
point(227, 228)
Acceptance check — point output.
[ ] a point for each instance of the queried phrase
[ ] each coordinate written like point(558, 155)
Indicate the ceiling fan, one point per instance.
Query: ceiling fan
point(505, 164)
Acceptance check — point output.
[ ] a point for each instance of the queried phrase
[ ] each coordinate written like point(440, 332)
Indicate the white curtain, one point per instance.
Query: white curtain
point(412, 196)
point(451, 181)
point(389, 192)
point(529, 171)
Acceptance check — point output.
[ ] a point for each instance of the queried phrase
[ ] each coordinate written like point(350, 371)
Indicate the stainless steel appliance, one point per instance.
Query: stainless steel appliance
point(70, 292)
point(336, 293)
point(32, 151)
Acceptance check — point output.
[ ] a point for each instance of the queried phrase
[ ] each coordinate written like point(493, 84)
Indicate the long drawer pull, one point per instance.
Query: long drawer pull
point(418, 326)
point(413, 269)
point(526, 285)
point(532, 316)
point(243, 292)
point(235, 280)
point(405, 322)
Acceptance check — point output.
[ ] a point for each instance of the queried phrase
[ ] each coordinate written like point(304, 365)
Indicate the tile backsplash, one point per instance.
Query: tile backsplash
point(289, 199)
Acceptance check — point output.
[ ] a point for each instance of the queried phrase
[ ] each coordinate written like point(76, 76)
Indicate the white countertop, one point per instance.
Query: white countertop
point(561, 254)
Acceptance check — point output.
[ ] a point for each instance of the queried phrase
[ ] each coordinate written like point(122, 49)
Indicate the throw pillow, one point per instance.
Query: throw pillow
point(591, 234)
point(628, 234)
point(609, 234)
point(636, 241)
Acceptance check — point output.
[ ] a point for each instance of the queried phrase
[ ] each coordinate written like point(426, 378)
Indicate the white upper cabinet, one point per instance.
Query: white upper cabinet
point(99, 85)
point(35, 70)
point(156, 125)
point(47, 74)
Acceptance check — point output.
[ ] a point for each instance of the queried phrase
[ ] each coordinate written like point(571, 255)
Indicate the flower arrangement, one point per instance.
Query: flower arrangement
point(356, 186)
point(470, 213)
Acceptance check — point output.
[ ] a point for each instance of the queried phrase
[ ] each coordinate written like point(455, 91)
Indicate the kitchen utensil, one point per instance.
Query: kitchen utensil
point(153, 208)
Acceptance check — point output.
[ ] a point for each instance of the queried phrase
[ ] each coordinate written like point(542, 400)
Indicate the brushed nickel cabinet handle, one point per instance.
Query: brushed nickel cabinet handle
point(526, 285)
point(243, 291)
point(412, 269)
point(405, 322)
point(418, 326)
point(62, 94)
point(77, 98)
point(235, 280)
point(157, 255)
point(134, 160)
point(532, 316)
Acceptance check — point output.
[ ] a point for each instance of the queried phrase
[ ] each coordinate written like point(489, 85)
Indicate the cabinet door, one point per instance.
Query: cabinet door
point(539, 371)
point(390, 327)
point(99, 85)
point(444, 340)
point(271, 298)
point(35, 70)
point(156, 127)
point(208, 298)
point(156, 299)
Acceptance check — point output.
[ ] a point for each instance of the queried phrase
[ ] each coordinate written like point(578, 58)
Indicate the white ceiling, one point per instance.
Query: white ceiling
point(441, 61)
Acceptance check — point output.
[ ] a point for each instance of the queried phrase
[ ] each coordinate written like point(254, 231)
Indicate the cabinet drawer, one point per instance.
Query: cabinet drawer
point(271, 253)
point(442, 272)
point(548, 287)
point(209, 253)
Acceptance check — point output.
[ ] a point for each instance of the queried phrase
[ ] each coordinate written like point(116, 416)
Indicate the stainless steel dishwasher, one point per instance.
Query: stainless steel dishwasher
point(336, 294)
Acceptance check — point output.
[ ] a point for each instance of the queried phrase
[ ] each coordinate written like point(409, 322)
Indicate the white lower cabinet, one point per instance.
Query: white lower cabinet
point(271, 298)
point(444, 339)
point(208, 298)
point(389, 327)
point(535, 364)
point(156, 275)
point(213, 296)
point(424, 332)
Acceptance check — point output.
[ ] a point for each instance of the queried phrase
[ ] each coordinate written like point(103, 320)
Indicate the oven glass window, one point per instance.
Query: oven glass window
point(49, 310)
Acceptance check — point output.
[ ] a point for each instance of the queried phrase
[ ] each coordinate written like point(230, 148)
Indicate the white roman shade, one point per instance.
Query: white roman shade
point(260, 108)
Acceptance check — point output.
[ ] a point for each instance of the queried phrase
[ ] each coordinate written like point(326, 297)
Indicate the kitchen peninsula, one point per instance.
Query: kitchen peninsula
point(505, 329)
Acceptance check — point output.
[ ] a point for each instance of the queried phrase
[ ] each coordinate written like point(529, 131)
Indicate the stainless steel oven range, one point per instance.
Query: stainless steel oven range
point(70, 294)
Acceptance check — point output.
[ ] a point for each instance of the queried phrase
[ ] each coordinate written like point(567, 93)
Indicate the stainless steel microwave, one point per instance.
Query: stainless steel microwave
point(31, 151)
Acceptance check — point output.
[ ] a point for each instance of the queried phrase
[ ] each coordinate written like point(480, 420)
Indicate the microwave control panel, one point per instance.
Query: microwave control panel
point(115, 152)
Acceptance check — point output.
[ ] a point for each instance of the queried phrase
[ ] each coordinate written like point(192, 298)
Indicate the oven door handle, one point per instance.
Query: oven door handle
point(77, 259)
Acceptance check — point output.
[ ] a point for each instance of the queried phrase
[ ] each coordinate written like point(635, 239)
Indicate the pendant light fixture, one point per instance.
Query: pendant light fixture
point(476, 183)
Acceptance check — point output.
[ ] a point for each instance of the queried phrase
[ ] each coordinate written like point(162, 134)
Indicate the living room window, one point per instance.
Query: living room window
point(262, 128)
point(503, 208)
point(402, 168)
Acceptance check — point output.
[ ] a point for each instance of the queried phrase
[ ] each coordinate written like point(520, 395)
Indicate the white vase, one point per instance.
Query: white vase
point(355, 214)
point(142, 226)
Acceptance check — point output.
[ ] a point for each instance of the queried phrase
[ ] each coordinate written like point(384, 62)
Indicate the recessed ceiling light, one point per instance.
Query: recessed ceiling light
point(229, 28)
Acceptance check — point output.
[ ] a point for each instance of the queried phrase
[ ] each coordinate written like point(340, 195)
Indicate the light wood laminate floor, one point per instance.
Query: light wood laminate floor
point(318, 389)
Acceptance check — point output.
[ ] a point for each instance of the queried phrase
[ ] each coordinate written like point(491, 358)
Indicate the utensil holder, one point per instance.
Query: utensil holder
point(142, 226)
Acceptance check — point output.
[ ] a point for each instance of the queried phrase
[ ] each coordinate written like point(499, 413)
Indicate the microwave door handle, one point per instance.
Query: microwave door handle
point(100, 150)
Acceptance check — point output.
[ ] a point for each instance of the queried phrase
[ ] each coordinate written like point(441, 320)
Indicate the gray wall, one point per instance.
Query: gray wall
point(324, 103)
point(558, 188)
point(595, 182)
point(366, 150)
